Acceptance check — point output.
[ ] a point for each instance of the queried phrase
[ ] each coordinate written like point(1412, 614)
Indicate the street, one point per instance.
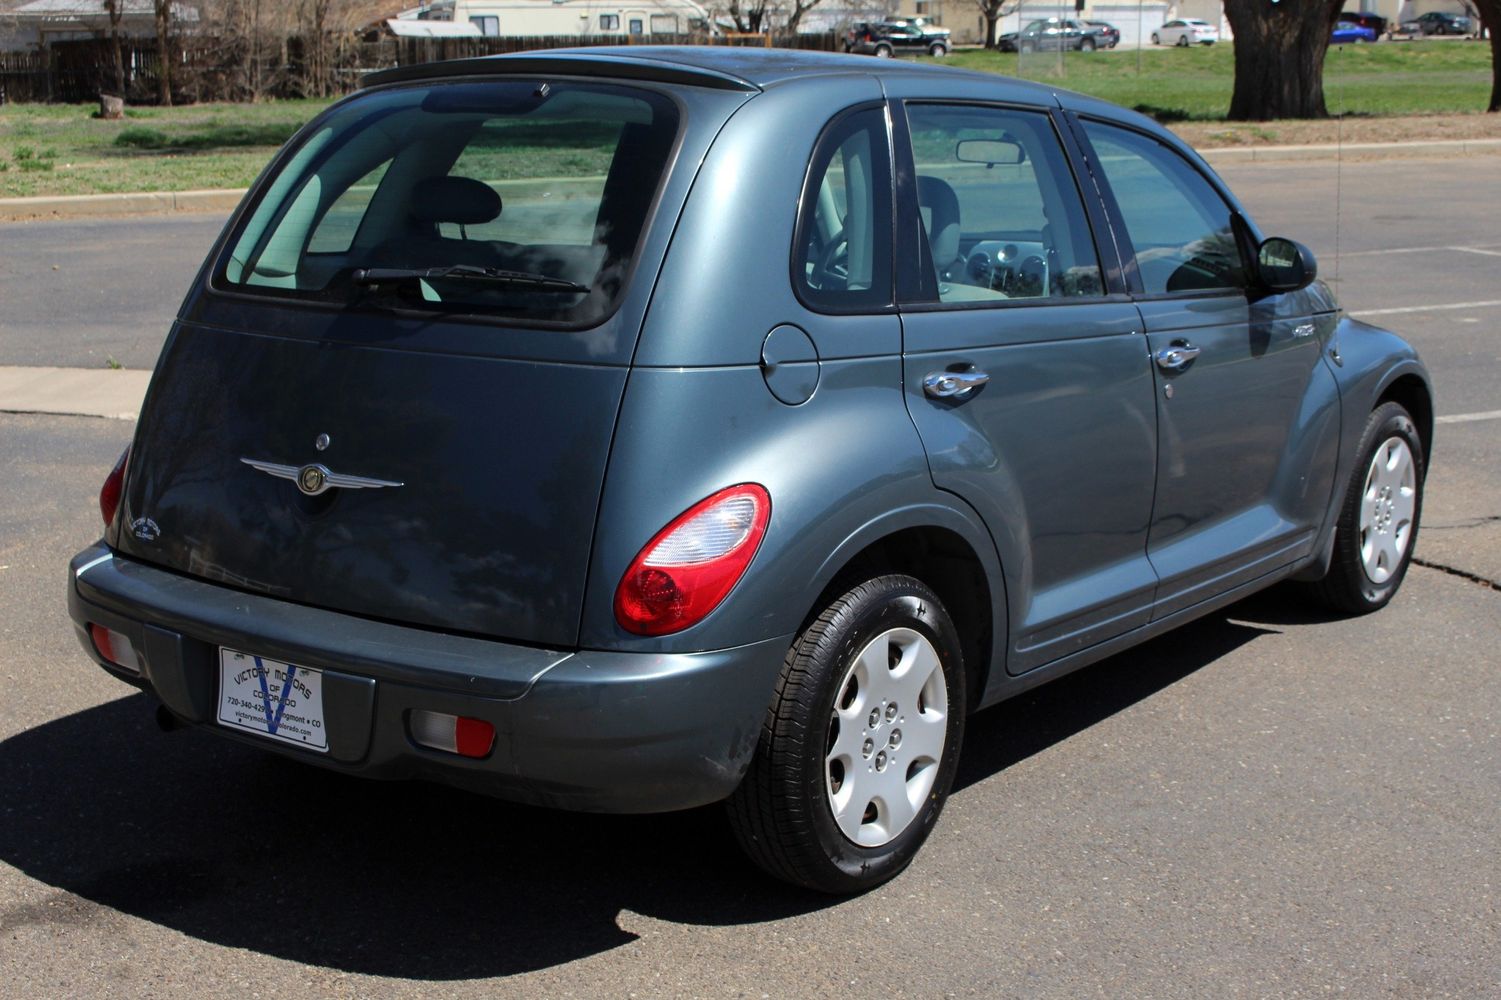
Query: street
point(1264, 803)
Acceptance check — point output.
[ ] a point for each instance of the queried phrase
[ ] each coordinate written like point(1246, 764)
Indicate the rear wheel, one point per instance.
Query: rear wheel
point(938, 50)
point(1378, 522)
point(1087, 45)
point(883, 51)
point(858, 751)
point(1155, 39)
point(1183, 41)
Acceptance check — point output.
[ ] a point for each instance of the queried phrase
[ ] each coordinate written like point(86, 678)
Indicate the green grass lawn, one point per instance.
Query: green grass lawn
point(63, 149)
point(1389, 78)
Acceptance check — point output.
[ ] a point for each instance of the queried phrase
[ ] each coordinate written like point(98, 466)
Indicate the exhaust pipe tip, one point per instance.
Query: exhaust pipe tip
point(166, 721)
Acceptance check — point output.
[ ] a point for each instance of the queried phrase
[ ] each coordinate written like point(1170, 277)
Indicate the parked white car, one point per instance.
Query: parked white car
point(1186, 31)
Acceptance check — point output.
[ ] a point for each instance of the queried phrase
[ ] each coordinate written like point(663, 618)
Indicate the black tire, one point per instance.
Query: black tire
point(938, 50)
point(883, 51)
point(1086, 45)
point(1156, 40)
point(1348, 587)
point(782, 813)
point(1182, 41)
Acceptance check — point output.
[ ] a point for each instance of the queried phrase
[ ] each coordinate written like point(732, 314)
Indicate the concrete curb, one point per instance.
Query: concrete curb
point(224, 200)
point(83, 392)
point(1353, 151)
point(140, 203)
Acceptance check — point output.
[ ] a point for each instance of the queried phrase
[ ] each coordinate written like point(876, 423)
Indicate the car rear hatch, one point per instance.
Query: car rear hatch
point(342, 419)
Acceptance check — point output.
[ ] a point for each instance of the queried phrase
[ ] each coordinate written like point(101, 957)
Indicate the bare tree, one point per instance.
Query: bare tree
point(799, 8)
point(993, 11)
point(1279, 57)
point(749, 16)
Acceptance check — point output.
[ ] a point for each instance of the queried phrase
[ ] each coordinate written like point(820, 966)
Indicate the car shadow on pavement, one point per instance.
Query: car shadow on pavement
point(1014, 730)
point(248, 850)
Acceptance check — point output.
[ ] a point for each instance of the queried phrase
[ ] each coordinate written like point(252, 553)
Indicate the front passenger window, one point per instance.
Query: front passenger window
point(1178, 224)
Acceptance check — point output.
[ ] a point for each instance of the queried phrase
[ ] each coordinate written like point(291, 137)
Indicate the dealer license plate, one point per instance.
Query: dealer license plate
point(272, 698)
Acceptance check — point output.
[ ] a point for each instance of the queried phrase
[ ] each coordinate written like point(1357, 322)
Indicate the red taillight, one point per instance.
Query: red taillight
point(109, 495)
point(687, 569)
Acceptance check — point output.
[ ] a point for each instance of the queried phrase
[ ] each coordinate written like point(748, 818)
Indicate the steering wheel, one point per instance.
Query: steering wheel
point(827, 272)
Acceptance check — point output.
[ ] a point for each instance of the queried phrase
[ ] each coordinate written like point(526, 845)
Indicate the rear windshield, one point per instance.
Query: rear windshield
point(515, 199)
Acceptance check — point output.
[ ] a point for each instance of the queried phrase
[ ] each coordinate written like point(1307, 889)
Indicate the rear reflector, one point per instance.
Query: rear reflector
point(452, 733)
point(115, 648)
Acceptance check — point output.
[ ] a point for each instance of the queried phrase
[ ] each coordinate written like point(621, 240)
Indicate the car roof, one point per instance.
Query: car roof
point(724, 68)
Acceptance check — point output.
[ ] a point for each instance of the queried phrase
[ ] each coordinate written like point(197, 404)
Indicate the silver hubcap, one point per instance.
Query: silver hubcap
point(1386, 509)
point(886, 737)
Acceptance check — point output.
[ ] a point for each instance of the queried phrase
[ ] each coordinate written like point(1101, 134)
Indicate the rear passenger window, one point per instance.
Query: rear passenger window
point(842, 261)
point(999, 205)
point(1178, 224)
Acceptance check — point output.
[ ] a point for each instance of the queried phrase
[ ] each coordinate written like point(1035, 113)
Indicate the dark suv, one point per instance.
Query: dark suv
point(1375, 22)
point(889, 38)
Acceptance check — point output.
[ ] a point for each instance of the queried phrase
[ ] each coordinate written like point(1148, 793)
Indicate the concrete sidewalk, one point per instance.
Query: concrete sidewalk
point(224, 200)
point(88, 392)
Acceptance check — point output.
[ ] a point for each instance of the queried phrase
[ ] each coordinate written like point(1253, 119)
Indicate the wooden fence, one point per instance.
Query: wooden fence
point(208, 69)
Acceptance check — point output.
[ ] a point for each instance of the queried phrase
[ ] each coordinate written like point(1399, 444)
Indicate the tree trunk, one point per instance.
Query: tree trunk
point(116, 9)
point(1495, 104)
point(992, 18)
point(1279, 57)
point(164, 52)
point(1490, 21)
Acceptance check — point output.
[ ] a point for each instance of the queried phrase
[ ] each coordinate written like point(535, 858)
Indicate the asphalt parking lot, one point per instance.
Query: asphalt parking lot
point(1265, 803)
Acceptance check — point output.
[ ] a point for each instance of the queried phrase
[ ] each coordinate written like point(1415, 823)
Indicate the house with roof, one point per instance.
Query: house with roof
point(532, 18)
point(38, 23)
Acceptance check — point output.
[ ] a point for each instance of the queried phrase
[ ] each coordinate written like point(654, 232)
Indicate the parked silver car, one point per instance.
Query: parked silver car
point(637, 430)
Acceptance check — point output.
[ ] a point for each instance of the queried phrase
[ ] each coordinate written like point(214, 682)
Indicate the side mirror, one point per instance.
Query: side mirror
point(1285, 265)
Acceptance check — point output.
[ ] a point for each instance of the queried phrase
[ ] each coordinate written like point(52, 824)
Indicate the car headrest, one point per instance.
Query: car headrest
point(463, 200)
point(935, 194)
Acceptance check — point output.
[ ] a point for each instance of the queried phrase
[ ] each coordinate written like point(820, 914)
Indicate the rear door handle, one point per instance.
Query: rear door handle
point(1176, 357)
point(953, 385)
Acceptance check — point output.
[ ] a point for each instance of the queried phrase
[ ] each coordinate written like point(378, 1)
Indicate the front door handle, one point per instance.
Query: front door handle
point(953, 385)
point(1176, 357)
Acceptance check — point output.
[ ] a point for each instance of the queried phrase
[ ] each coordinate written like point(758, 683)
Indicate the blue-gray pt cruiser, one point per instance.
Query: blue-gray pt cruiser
point(630, 430)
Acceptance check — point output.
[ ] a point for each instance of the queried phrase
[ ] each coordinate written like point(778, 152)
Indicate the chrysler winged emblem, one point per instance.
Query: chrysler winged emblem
point(315, 478)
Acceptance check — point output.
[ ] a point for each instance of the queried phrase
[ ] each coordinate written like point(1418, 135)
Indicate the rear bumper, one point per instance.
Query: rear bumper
point(587, 730)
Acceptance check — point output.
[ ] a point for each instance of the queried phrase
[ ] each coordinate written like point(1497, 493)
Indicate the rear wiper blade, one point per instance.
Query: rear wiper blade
point(466, 272)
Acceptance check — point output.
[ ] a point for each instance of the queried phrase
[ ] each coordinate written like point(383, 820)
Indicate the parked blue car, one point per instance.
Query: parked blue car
point(1346, 33)
point(637, 430)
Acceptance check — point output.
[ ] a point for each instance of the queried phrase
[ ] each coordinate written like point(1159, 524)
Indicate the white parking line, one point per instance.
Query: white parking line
point(1465, 418)
point(1419, 309)
point(1482, 248)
